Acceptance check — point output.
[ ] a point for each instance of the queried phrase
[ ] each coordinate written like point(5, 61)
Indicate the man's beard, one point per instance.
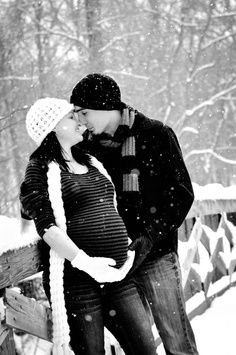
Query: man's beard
point(88, 136)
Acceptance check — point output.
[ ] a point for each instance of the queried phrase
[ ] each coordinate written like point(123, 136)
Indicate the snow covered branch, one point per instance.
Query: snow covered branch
point(210, 151)
point(118, 38)
point(199, 69)
point(15, 77)
point(133, 75)
point(227, 14)
point(167, 113)
point(210, 101)
point(218, 39)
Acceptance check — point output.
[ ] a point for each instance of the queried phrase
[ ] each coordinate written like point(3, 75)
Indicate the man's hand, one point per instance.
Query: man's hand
point(125, 268)
point(142, 247)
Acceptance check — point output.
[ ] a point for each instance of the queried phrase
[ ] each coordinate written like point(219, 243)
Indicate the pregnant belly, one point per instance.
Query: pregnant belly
point(103, 234)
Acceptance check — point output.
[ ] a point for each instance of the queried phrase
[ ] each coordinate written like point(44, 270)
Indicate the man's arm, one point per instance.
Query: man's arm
point(176, 196)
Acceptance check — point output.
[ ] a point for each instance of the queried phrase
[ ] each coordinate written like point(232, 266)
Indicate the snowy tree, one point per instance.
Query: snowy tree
point(174, 61)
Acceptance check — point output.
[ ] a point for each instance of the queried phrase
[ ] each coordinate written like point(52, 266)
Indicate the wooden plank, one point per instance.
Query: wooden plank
point(185, 229)
point(26, 314)
point(212, 221)
point(7, 344)
point(229, 229)
point(192, 248)
point(15, 265)
point(232, 217)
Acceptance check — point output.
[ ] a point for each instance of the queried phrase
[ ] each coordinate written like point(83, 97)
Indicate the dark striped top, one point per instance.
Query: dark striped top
point(93, 223)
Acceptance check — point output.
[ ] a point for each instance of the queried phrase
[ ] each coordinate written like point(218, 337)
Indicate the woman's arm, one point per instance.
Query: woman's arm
point(34, 198)
point(59, 241)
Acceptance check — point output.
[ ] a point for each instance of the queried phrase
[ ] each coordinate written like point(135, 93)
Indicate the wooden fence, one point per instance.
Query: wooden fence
point(207, 251)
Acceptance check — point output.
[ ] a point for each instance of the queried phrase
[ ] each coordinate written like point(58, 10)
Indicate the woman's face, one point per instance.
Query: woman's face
point(69, 130)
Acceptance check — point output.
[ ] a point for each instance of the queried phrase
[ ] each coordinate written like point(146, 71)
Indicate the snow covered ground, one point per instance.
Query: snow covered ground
point(215, 329)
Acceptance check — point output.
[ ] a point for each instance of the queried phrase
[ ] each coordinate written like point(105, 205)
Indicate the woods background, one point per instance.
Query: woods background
point(174, 60)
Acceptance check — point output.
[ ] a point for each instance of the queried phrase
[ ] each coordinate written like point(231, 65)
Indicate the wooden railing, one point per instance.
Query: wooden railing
point(207, 252)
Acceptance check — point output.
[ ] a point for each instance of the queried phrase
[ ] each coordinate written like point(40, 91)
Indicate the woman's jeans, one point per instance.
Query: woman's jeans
point(117, 306)
point(159, 282)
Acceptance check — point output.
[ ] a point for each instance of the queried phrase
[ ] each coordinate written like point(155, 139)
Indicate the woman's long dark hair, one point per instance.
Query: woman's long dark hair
point(51, 150)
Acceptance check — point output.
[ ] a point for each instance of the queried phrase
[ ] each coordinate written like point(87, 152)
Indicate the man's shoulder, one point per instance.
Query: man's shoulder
point(150, 126)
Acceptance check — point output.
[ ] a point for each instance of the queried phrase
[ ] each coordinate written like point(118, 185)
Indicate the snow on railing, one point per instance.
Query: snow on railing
point(212, 199)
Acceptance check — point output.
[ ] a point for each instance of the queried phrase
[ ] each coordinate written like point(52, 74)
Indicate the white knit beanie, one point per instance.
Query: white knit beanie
point(44, 115)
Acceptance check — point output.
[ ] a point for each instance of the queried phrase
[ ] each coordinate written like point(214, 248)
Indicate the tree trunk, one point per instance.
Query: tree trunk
point(93, 15)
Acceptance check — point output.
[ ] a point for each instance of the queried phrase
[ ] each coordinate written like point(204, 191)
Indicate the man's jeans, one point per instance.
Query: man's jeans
point(117, 306)
point(160, 282)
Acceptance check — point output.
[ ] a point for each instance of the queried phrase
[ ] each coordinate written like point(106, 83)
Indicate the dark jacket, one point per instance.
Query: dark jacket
point(166, 193)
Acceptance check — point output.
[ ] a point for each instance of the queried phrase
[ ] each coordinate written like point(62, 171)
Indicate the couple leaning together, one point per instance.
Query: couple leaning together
point(107, 189)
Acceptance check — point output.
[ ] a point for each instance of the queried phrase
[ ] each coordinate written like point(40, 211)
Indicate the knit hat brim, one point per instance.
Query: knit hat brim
point(93, 105)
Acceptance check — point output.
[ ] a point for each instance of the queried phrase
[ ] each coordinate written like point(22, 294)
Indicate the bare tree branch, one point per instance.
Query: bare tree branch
point(53, 32)
point(61, 34)
point(11, 125)
point(218, 130)
point(166, 17)
point(199, 47)
point(24, 108)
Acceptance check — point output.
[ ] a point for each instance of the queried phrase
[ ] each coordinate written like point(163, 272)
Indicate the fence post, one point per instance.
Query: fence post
point(7, 344)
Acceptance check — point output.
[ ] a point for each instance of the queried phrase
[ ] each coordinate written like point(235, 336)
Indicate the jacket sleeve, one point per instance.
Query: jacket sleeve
point(175, 193)
point(34, 198)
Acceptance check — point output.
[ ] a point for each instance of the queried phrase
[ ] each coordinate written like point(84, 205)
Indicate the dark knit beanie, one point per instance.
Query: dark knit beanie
point(97, 92)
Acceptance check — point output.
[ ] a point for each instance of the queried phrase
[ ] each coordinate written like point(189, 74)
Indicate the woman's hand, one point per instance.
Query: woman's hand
point(101, 269)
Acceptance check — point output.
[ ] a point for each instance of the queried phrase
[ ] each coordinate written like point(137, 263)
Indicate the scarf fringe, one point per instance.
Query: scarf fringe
point(130, 181)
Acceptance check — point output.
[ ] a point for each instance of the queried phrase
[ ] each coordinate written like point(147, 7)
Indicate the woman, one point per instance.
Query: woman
point(77, 219)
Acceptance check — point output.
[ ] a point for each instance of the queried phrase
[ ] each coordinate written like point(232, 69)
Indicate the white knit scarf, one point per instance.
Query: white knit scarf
point(61, 337)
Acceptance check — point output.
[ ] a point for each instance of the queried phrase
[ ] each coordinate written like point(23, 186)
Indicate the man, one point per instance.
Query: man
point(154, 195)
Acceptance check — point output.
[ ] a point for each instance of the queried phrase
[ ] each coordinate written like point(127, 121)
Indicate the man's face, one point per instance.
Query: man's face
point(98, 121)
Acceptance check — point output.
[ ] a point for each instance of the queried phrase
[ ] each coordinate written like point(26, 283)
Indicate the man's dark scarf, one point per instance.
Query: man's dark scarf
point(124, 137)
